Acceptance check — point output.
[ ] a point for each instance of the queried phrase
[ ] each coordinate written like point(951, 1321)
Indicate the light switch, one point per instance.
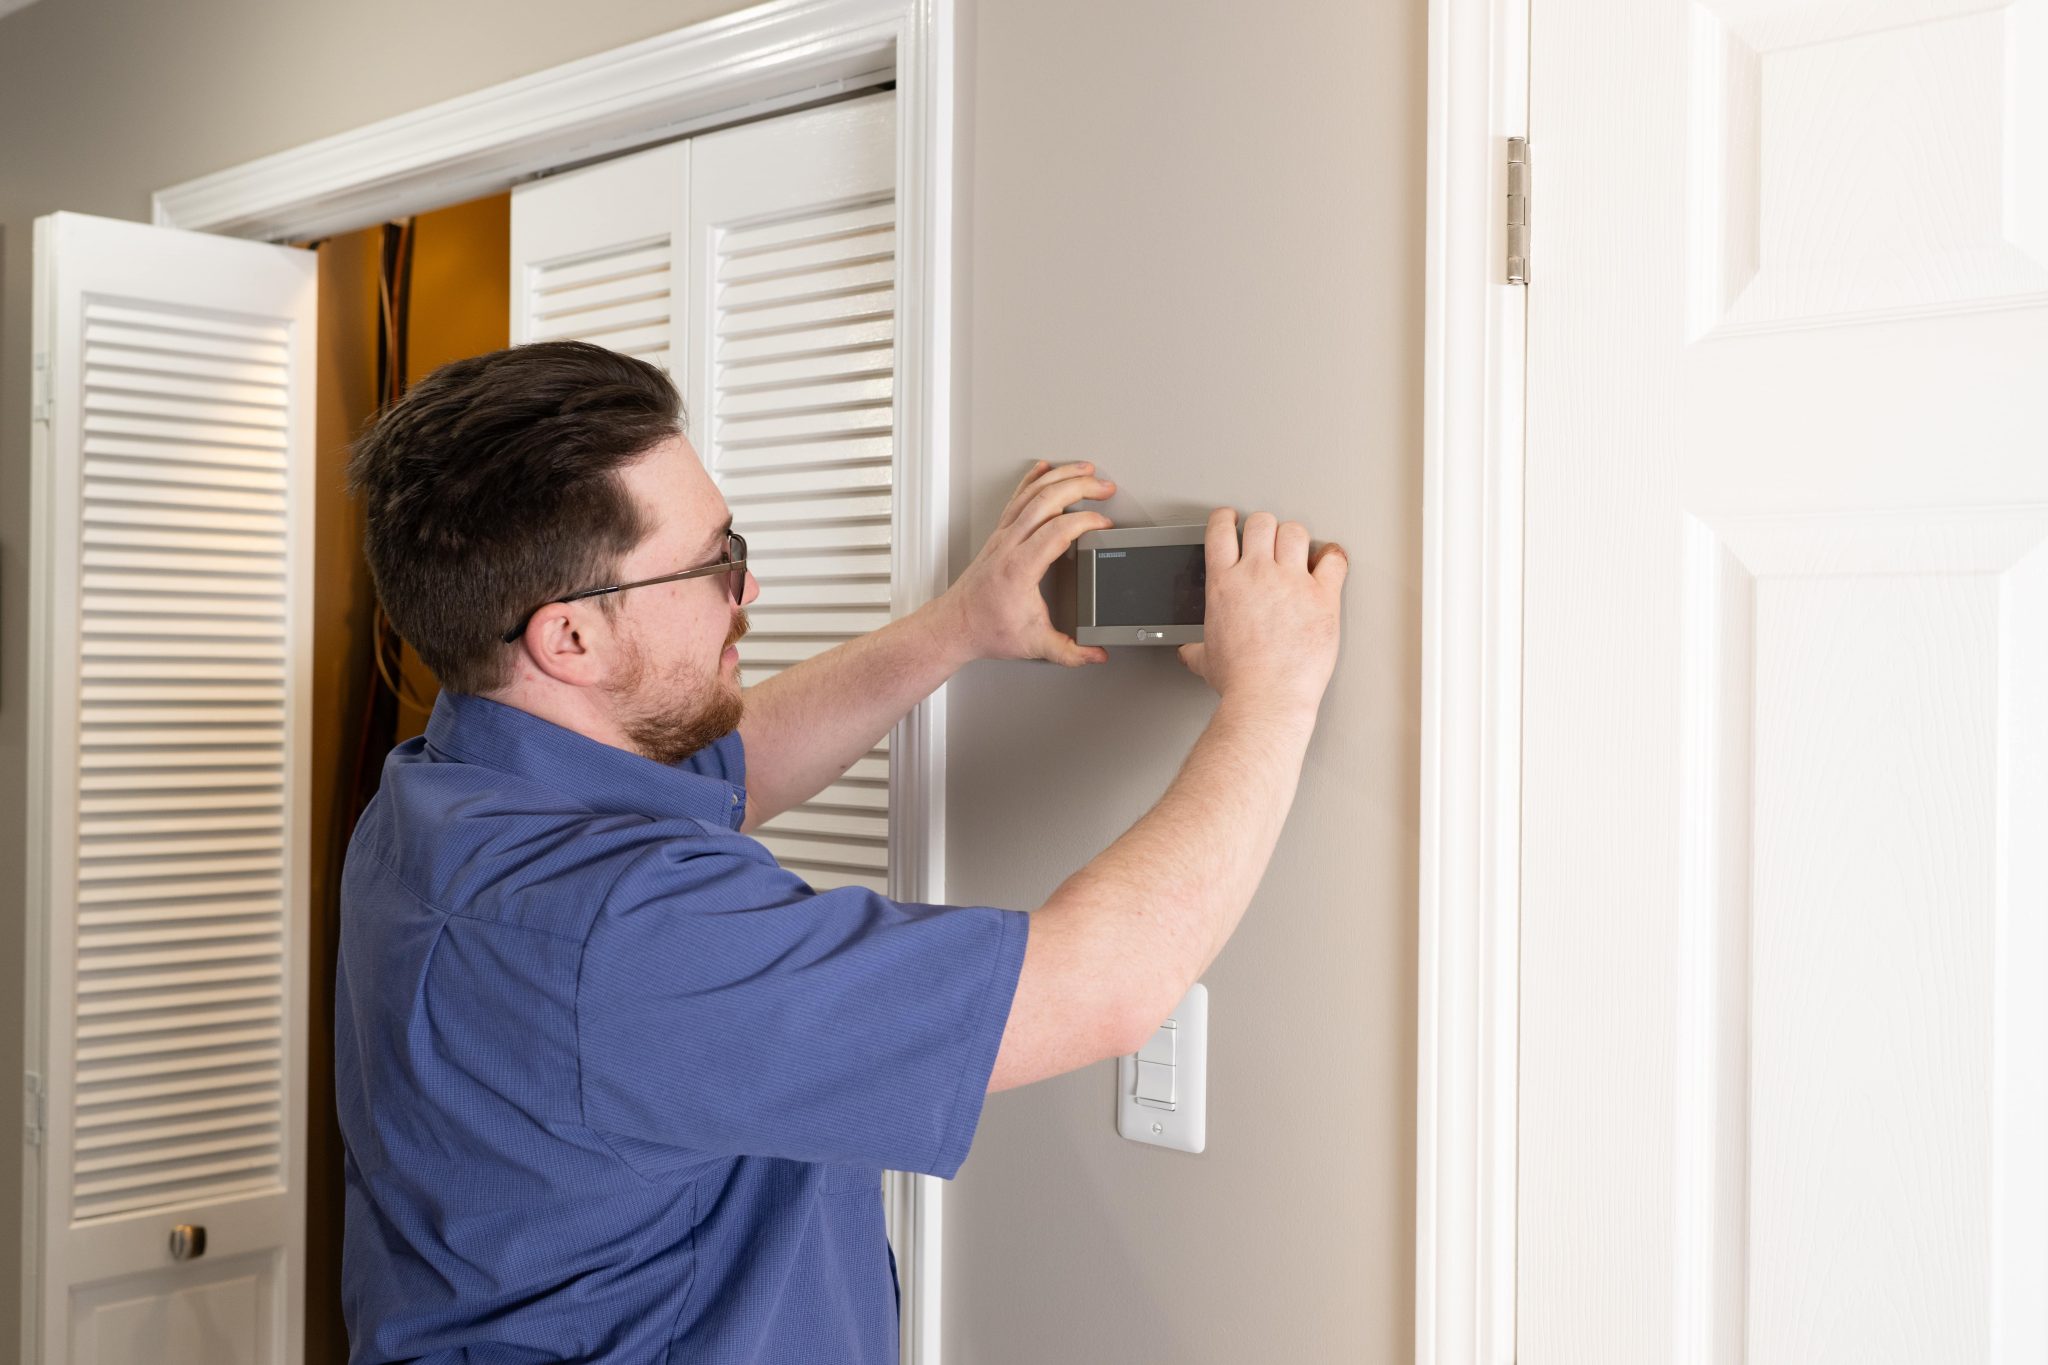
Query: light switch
point(1155, 1083)
point(1159, 1047)
point(1163, 1087)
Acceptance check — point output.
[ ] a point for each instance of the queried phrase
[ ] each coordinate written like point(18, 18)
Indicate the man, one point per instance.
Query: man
point(616, 1087)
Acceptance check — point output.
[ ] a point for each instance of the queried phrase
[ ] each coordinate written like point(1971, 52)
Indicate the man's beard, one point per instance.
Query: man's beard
point(675, 720)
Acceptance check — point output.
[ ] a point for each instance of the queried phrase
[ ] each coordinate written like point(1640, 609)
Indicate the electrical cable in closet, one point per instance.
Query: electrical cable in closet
point(379, 723)
point(394, 316)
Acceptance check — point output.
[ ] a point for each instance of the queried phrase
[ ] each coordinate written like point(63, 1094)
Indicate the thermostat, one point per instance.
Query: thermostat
point(1136, 585)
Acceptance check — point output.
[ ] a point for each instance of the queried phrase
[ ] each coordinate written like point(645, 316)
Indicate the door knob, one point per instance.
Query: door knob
point(188, 1242)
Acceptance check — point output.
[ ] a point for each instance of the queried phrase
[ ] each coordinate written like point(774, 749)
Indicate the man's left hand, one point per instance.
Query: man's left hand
point(994, 610)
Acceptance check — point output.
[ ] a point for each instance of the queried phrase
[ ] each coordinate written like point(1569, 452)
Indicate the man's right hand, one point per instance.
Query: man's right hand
point(1271, 620)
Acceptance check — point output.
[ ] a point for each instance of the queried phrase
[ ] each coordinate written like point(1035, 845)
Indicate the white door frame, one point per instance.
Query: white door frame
point(772, 56)
point(1470, 874)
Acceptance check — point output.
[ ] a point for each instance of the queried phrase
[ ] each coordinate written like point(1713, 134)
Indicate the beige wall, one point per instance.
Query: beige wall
point(1191, 251)
point(1196, 258)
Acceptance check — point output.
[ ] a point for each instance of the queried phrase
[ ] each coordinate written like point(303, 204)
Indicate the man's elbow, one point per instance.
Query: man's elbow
point(1127, 1027)
point(1036, 1049)
point(1073, 1007)
point(1097, 978)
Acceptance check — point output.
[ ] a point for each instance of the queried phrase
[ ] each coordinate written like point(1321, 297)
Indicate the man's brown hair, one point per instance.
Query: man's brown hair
point(492, 488)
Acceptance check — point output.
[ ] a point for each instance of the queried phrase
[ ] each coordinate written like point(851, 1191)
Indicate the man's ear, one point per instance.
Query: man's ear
point(571, 642)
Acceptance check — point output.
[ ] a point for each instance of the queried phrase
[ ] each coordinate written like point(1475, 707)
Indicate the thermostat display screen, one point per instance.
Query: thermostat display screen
point(1150, 585)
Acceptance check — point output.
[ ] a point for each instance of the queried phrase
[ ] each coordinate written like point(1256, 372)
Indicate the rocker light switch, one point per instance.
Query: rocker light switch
point(1163, 1088)
point(1159, 1047)
point(1155, 1084)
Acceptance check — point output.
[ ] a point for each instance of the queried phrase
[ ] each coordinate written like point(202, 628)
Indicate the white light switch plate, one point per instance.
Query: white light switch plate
point(1185, 1127)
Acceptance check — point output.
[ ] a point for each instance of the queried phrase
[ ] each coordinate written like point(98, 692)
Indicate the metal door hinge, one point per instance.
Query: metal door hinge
point(33, 1095)
point(1518, 210)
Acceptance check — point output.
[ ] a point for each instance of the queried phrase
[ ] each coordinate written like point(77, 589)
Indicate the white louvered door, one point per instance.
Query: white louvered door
point(790, 384)
point(757, 265)
point(171, 649)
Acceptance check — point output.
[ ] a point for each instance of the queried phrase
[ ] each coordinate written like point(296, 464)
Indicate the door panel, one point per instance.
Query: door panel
point(1784, 1076)
point(220, 1314)
point(173, 441)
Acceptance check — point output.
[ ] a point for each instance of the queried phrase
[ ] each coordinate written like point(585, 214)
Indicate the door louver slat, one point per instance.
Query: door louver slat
point(240, 457)
point(261, 480)
point(177, 998)
point(234, 1108)
point(184, 1151)
point(200, 367)
point(158, 1132)
point(872, 218)
point(564, 279)
point(191, 433)
point(113, 379)
point(856, 854)
point(857, 361)
point(840, 335)
point(214, 1086)
point(209, 923)
point(116, 1051)
point(807, 456)
point(186, 340)
point(812, 323)
point(184, 664)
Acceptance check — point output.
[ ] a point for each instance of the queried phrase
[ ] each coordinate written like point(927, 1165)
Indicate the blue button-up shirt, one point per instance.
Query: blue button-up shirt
point(616, 1087)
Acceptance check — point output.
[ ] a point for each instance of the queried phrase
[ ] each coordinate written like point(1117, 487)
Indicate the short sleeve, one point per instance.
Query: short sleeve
point(725, 1007)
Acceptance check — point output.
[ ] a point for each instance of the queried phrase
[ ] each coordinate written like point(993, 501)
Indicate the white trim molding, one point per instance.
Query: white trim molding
point(922, 480)
point(774, 56)
point(1473, 370)
point(739, 65)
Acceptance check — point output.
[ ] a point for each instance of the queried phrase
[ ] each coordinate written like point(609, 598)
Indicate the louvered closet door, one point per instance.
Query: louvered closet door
point(790, 385)
point(757, 265)
point(597, 255)
point(171, 648)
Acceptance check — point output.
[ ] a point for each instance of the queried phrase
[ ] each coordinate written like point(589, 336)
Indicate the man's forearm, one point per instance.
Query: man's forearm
point(809, 724)
point(1154, 908)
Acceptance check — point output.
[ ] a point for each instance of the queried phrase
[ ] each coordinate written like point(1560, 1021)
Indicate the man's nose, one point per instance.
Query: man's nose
point(753, 589)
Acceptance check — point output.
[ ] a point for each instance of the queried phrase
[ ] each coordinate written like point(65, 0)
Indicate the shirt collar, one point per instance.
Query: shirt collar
point(597, 776)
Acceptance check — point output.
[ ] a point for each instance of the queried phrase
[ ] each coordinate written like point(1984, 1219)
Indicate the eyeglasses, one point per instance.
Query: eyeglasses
point(733, 563)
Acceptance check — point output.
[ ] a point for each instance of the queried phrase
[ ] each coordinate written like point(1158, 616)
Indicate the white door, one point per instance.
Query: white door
point(757, 265)
point(1784, 1034)
point(791, 386)
point(171, 644)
